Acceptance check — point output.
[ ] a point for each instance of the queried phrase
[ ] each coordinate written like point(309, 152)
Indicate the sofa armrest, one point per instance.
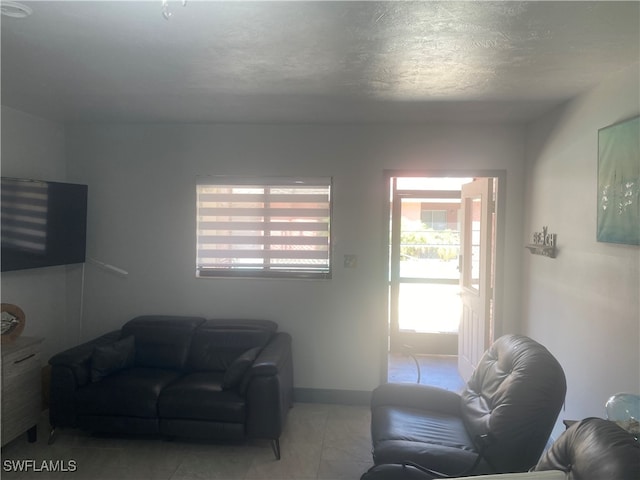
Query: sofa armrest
point(70, 370)
point(273, 357)
point(412, 395)
point(270, 388)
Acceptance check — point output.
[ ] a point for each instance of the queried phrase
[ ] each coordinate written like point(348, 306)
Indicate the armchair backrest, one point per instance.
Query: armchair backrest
point(514, 396)
point(594, 448)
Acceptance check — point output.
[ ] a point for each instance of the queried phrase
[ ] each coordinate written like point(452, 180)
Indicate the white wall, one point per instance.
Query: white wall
point(35, 148)
point(141, 218)
point(583, 305)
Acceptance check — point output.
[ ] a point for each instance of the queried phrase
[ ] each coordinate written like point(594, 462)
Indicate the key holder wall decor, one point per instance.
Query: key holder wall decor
point(543, 243)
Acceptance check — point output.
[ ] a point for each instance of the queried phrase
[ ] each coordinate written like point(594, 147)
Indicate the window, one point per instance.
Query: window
point(265, 227)
point(434, 219)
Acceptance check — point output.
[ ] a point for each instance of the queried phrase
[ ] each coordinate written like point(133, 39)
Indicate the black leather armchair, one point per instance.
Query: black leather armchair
point(592, 449)
point(500, 423)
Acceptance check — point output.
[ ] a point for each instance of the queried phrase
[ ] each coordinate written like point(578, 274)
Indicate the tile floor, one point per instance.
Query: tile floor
point(328, 442)
point(437, 370)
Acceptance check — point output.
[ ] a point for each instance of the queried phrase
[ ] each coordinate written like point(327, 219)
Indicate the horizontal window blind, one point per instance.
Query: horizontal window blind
point(24, 215)
point(263, 227)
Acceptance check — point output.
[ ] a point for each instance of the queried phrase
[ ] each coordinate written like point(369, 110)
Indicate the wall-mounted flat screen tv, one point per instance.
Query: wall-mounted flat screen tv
point(43, 223)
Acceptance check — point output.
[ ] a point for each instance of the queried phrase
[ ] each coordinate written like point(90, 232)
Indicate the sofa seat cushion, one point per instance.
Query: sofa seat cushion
point(437, 439)
point(133, 392)
point(200, 396)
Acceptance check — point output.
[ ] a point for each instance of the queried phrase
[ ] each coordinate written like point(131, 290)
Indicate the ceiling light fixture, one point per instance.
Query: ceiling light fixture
point(15, 10)
point(166, 12)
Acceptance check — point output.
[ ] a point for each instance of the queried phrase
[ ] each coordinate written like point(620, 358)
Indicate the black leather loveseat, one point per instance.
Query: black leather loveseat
point(177, 376)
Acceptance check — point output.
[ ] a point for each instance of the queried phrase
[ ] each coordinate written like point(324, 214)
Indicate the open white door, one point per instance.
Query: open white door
point(476, 280)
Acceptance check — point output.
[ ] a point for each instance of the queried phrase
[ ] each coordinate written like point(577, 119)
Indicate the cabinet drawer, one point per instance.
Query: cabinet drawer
point(19, 362)
point(21, 404)
point(21, 386)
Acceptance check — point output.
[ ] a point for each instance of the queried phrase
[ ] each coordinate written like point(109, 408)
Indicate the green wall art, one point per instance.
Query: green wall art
point(619, 183)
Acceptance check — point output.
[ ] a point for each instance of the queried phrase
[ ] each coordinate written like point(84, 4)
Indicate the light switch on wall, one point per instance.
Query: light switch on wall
point(350, 261)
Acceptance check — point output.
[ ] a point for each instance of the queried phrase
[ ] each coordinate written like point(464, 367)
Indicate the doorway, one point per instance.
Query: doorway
point(439, 254)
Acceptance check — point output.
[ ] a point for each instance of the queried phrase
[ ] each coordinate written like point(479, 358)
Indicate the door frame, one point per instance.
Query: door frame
point(476, 325)
point(500, 177)
point(444, 343)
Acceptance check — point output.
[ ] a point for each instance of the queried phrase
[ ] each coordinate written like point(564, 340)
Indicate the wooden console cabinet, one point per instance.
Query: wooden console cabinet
point(21, 388)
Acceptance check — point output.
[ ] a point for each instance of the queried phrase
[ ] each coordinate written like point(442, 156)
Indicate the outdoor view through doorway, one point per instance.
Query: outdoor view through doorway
point(442, 234)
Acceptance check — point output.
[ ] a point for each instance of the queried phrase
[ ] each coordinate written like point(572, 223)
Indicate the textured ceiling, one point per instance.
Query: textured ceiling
point(310, 61)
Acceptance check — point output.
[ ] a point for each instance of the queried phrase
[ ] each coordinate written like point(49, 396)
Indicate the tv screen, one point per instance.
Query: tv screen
point(43, 223)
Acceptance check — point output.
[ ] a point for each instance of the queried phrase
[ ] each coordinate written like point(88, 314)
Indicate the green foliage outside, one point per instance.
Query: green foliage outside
point(428, 243)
